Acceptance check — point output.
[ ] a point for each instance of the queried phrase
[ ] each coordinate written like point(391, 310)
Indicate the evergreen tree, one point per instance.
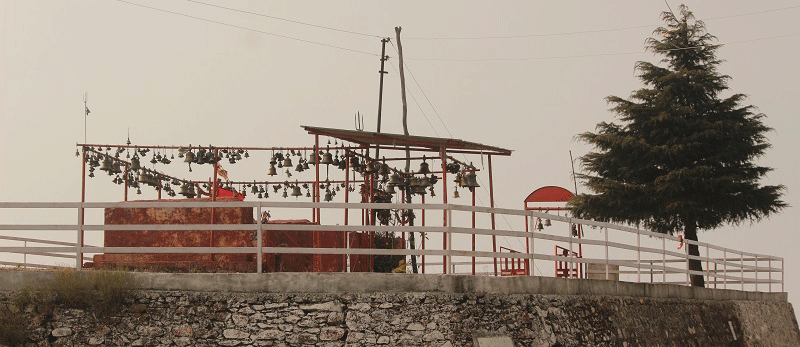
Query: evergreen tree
point(683, 157)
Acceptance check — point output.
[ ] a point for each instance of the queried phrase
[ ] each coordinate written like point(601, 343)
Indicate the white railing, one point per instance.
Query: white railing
point(461, 237)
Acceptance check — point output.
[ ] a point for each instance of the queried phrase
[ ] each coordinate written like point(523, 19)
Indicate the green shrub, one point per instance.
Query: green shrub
point(101, 292)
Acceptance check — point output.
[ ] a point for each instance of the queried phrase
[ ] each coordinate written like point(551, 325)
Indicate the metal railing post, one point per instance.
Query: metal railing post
point(663, 259)
point(725, 268)
point(638, 256)
point(450, 238)
point(741, 254)
point(756, 273)
point(25, 256)
point(782, 274)
point(79, 241)
point(531, 241)
point(686, 253)
point(571, 253)
point(769, 274)
point(605, 229)
point(708, 269)
point(259, 255)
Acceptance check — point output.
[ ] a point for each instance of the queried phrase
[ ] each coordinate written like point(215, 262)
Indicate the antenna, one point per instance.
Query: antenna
point(86, 113)
point(574, 178)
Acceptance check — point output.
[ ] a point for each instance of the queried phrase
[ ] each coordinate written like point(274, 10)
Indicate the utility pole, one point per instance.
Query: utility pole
point(411, 238)
point(380, 107)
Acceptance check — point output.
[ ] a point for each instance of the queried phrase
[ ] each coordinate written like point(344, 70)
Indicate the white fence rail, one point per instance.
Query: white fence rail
point(460, 239)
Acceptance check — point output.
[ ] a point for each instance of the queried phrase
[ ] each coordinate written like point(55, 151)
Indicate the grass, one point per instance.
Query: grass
point(99, 292)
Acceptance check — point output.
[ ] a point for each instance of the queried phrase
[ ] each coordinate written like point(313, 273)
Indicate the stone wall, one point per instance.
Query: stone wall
point(162, 318)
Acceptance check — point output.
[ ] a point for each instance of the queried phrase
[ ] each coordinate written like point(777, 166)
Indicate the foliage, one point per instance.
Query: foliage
point(12, 329)
point(101, 292)
point(683, 157)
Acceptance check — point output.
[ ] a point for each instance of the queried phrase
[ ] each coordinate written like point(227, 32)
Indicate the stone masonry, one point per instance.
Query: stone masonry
point(186, 318)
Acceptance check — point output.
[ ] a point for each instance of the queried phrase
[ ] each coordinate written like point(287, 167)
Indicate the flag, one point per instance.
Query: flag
point(222, 172)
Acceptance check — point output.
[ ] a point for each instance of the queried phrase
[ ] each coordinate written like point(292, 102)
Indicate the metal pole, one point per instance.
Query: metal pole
point(782, 274)
point(448, 212)
point(708, 270)
point(473, 235)
point(491, 204)
point(315, 212)
point(605, 229)
point(25, 256)
point(663, 260)
point(126, 183)
point(79, 243)
point(741, 254)
point(259, 236)
point(448, 222)
point(725, 269)
point(686, 252)
point(638, 256)
point(571, 253)
point(380, 90)
point(769, 274)
point(756, 273)
point(531, 240)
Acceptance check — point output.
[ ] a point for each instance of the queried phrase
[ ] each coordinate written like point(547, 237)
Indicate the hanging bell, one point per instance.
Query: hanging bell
point(384, 170)
point(305, 165)
point(296, 191)
point(299, 168)
point(135, 165)
point(455, 194)
point(272, 170)
point(77, 153)
point(424, 168)
point(116, 167)
point(260, 196)
point(368, 168)
point(471, 180)
point(254, 190)
point(153, 160)
point(547, 222)
point(328, 197)
point(287, 161)
point(313, 158)
point(288, 173)
point(390, 189)
point(246, 154)
point(285, 194)
point(106, 164)
point(396, 180)
point(425, 182)
point(539, 225)
point(336, 160)
point(189, 157)
point(432, 192)
point(138, 191)
point(342, 164)
point(327, 158)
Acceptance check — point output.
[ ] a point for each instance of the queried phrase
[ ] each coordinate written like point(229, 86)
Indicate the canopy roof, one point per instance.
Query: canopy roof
point(397, 141)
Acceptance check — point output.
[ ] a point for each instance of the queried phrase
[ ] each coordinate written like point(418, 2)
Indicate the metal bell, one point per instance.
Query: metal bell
point(313, 158)
point(547, 222)
point(189, 157)
point(287, 161)
point(384, 170)
point(272, 170)
point(299, 168)
point(285, 194)
point(327, 158)
point(305, 165)
point(396, 180)
point(106, 164)
point(116, 167)
point(135, 165)
point(328, 197)
point(254, 190)
point(390, 189)
point(471, 180)
point(425, 182)
point(424, 168)
point(455, 194)
point(296, 191)
point(342, 164)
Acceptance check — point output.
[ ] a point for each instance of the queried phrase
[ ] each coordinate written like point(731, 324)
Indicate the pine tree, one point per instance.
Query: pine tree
point(683, 157)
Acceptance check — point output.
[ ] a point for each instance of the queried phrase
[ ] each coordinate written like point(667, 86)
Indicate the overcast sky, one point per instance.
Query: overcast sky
point(522, 75)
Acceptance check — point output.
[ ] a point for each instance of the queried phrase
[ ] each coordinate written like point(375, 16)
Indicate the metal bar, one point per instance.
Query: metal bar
point(742, 268)
point(756, 273)
point(315, 213)
point(638, 256)
point(491, 204)
point(259, 241)
point(79, 242)
point(707, 265)
point(448, 212)
point(605, 233)
point(449, 240)
point(725, 270)
point(664, 259)
point(473, 235)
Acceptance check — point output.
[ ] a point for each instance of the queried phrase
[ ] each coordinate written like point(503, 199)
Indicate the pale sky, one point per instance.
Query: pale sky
point(175, 80)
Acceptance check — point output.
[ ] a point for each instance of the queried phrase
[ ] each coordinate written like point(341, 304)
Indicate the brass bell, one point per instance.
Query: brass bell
point(272, 170)
point(106, 164)
point(424, 168)
point(313, 158)
point(287, 161)
point(390, 189)
point(305, 165)
point(384, 170)
point(455, 194)
point(189, 157)
point(418, 190)
point(342, 164)
point(327, 158)
point(288, 173)
point(396, 180)
point(254, 190)
point(116, 167)
point(547, 222)
point(296, 191)
point(369, 168)
point(457, 180)
point(299, 168)
point(328, 197)
point(472, 180)
point(539, 225)
point(285, 194)
point(425, 182)
point(135, 165)
point(144, 178)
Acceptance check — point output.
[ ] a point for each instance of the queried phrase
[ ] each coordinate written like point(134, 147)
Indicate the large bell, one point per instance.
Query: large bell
point(189, 157)
point(287, 161)
point(342, 164)
point(272, 170)
point(313, 158)
point(296, 191)
point(471, 180)
point(424, 168)
point(106, 164)
point(396, 180)
point(384, 170)
point(135, 165)
point(144, 178)
point(116, 168)
point(327, 158)
point(390, 189)
point(425, 182)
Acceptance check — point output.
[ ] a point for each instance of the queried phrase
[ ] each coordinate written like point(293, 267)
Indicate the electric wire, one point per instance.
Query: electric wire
point(418, 105)
point(284, 19)
point(566, 33)
point(249, 29)
point(603, 54)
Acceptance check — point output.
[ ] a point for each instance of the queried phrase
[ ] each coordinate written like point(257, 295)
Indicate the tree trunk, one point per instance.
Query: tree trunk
point(408, 152)
point(694, 264)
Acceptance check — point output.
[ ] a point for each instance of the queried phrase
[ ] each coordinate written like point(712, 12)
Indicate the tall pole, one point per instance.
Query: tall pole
point(380, 90)
point(408, 152)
